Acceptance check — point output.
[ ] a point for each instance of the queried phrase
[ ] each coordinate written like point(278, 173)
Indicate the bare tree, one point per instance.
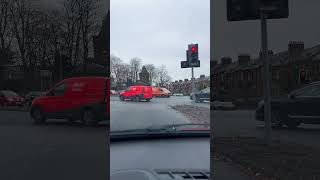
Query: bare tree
point(88, 21)
point(135, 66)
point(5, 31)
point(152, 73)
point(71, 30)
point(116, 63)
point(163, 76)
point(125, 72)
point(19, 17)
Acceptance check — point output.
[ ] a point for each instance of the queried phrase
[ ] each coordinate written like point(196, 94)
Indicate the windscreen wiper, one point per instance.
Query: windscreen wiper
point(166, 131)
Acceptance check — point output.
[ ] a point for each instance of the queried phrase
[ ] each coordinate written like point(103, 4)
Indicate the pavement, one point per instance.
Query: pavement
point(135, 115)
point(242, 123)
point(57, 150)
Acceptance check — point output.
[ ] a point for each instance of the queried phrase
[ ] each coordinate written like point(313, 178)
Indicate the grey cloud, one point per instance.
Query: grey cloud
point(158, 31)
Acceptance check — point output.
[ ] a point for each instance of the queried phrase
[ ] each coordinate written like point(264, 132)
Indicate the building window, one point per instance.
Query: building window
point(241, 76)
point(250, 76)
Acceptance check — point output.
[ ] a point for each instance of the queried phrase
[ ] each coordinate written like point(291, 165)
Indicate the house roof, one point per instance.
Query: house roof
point(276, 59)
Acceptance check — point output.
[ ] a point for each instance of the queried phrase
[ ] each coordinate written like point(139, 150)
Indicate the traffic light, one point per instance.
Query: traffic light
point(194, 53)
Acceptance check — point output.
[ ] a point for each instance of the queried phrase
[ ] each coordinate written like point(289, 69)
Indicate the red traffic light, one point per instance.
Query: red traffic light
point(194, 49)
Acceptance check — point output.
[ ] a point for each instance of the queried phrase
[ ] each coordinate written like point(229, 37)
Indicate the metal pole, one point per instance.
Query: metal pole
point(193, 95)
point(266, 70)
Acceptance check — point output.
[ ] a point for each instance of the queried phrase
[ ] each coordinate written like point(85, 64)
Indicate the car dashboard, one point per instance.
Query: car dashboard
point(164, 159)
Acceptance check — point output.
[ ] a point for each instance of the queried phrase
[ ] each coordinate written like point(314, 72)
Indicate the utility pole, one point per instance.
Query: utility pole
point(267, 73)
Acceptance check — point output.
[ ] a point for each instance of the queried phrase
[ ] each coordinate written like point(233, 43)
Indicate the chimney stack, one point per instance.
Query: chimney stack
point(295, 48)
point(244, 59)
point(226, 60)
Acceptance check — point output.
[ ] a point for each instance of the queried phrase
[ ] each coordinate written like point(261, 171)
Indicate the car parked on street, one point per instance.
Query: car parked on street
point(203, 95)
point(84, 98)
point(29, 97)
point(10, 98)
point(137, 93)
point(160, 92)
point(299, 106)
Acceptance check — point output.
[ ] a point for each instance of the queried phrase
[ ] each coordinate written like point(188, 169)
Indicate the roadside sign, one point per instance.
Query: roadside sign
point(241, 10)
point(185, 64)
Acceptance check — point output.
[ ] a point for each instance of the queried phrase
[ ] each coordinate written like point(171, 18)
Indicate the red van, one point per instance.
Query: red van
point(137, 93)
point(160, 92)
point(84, 98)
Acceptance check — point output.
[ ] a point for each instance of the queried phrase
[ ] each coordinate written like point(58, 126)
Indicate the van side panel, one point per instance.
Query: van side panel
point(81, 93)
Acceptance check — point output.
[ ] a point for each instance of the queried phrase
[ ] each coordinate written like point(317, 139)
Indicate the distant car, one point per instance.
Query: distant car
point(31, 96)
point(137, 93)
point(299, 106)
point(10, 98)
point(84, 98)
point(160, 92)
point(113, 92)
point(203, 95)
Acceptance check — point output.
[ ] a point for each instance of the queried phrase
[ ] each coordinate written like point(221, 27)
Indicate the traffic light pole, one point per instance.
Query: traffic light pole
point(193, 95)
point(267, 86)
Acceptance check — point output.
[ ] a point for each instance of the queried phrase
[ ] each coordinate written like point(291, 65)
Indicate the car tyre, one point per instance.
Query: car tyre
point(88, 117)
point(137, 99)
point(121, 98)
point(148, 100)
point(276, 119)
point(292, 124)
point(38, 116)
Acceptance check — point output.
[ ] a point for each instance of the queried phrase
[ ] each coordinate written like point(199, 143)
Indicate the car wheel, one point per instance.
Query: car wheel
point(37, 116)
point(137, 99)
point(121, 98)
point(276, 119)
point(148, 100)
point(292, 124)
point(71, 120)
point(88, 117)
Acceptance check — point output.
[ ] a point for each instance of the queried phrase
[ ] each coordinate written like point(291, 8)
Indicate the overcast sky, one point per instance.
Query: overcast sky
point(159, 31)
point(231, 38)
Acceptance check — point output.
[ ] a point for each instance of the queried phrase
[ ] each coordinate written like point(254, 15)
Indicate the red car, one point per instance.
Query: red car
point(137, 93)
point(85, 98)
point(10, 98)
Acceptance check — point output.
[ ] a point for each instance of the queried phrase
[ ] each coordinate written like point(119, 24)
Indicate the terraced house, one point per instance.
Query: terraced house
point(185, 86)
point(242, 80)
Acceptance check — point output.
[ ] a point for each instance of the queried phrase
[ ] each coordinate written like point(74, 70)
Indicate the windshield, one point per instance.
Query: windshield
point(9, 93)
point(157, 87)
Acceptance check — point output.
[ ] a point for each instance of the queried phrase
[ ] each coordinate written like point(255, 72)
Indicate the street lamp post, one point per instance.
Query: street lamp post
point(266, 70)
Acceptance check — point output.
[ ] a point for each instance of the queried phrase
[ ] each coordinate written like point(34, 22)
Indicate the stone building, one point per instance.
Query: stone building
point(242, 79)
point(185, 86)
point(144, 77)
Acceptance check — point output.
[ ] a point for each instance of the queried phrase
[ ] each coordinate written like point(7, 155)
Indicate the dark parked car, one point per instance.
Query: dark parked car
point(10, 98)
point(300, 106)
point(31, 96)
point(203, 95)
